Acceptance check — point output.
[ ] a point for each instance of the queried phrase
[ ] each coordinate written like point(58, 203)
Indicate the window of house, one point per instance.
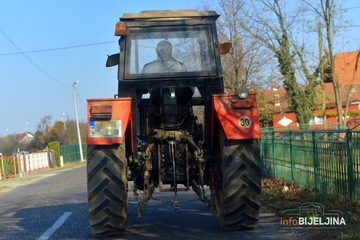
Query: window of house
point(316, 120)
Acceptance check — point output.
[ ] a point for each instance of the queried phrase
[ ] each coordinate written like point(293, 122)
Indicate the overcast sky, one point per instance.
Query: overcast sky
point(35, 79)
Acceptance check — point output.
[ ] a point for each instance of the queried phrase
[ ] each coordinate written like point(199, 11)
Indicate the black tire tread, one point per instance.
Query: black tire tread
point(239, 207)
point(107, 190)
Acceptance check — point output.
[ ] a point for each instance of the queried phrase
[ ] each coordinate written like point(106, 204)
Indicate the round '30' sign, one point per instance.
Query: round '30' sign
point(244, 122)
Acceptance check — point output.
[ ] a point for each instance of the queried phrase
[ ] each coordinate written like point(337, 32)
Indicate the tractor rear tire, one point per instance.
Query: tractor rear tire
point(107, 190)
point(237, 197)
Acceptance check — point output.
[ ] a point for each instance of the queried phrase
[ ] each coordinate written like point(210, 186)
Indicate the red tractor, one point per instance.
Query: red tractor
point(171, 126)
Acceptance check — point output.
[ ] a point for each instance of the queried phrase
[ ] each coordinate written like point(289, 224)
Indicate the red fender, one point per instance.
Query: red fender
point(108, 119)
point(238, 118)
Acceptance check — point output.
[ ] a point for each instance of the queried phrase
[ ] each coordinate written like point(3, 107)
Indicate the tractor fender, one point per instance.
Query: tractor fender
point(238, 118)
point(107, 121)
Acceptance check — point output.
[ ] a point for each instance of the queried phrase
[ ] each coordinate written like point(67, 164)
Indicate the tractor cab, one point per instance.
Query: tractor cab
point(168, 55)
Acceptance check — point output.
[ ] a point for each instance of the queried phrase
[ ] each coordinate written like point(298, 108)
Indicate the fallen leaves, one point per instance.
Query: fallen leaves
point(279, 195)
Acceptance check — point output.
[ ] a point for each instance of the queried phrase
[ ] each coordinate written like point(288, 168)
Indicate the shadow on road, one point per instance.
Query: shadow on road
point(160, 221)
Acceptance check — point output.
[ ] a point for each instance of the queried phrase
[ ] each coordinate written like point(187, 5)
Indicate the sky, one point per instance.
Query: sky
point(46, 46)
point(36, 84)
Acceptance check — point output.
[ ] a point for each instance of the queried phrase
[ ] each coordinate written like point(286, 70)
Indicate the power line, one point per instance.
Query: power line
point(77, 94)
point(32, 61)
point(350, 8)
point(56, 49)
point(101, 43)
point(339, 9)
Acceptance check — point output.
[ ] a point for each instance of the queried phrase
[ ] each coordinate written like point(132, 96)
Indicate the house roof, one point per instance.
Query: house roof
point(20, 136)
point(330, 95)
point(24, 136)
point(50, 128)
point(344, 68)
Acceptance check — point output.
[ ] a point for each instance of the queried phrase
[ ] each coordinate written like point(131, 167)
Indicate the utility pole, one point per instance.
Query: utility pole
point(62, 116)
point(26, 133)
point(77, 121)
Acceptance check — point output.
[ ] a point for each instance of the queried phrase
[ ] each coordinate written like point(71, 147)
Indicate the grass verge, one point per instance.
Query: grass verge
point(66, 166)
point(278, 195)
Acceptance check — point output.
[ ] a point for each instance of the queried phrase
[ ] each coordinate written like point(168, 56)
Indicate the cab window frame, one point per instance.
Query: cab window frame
point(211, 53)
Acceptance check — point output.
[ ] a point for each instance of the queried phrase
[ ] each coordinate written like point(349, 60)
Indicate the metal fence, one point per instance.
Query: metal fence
point(24, 163)
point(6, 166)
point(326, 160)
point(71, 152)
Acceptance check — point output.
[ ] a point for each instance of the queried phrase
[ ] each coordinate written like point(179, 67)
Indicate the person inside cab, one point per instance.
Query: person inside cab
point(165, 61)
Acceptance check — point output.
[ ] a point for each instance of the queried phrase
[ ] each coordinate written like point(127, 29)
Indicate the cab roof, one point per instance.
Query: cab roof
point(169, 14)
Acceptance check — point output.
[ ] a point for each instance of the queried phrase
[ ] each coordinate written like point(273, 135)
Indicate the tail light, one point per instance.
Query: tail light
point(240, 104)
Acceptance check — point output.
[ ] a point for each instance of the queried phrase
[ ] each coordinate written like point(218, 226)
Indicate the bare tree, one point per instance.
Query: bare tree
point(69, 134)
point(248, 62)
point(63, 132)
point(267, 21)
point(11, 144)
point(351, 87)
point(57, 132)
point(330, 13)
point(39, 141)
point(43, 124)
point(40, 136)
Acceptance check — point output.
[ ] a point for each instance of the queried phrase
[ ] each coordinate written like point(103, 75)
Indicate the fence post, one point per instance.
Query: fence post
point(273, 152)
point(291, 155)
point(84, 147)
point(14, 164)
point(27, 163)
point(2, 163)
point(76, 151)
point(316, 161)
point(261, 154)
point(350, 165)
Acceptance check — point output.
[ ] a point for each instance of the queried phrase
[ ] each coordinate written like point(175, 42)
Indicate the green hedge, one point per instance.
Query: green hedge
point(56, 147)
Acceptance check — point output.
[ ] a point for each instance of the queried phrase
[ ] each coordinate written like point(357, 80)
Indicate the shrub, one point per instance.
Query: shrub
point(56, 147)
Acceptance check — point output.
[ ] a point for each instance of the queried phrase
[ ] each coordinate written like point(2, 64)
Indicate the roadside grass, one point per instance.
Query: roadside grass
point(9, 183)
point(65, 167)
point(278, 195)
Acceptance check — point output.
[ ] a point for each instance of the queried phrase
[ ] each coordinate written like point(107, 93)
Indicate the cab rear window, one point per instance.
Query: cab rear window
point(169, 51)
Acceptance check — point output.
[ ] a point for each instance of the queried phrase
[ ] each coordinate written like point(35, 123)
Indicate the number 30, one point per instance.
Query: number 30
point(244, 122)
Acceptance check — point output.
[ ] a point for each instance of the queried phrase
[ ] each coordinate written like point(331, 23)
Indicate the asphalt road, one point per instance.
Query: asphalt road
point(55, 207)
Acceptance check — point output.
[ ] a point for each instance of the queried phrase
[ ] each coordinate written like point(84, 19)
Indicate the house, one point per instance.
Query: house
point(283, 117)
point(24, 137)
point(49, 128)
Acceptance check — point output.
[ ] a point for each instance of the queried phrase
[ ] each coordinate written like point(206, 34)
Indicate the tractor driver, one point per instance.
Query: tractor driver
point(165, 62)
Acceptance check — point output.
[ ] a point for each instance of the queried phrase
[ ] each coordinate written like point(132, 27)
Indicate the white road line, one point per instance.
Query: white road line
point(56, 225)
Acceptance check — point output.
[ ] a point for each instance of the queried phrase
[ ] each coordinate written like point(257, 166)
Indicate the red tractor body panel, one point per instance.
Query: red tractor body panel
point(108, 119)
point(238, 118)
